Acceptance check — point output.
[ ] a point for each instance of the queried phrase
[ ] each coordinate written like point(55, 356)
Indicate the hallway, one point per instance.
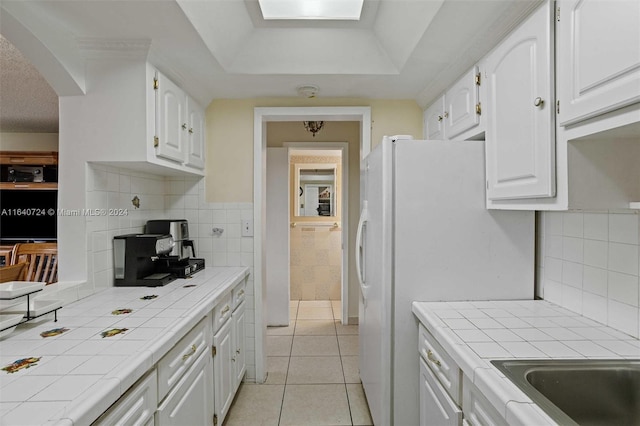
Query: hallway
point(312, 373)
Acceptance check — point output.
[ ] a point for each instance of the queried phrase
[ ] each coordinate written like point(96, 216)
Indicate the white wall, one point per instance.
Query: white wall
point(589, 262)
point(165, 198)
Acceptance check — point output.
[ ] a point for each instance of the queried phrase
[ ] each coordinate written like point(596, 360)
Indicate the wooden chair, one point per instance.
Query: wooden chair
point(42, 259)
point(13, 272)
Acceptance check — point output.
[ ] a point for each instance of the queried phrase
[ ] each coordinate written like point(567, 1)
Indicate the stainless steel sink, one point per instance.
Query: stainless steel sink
point(583, 392)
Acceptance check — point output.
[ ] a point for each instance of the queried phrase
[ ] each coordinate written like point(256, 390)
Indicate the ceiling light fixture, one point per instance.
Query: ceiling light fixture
point(313, 126)
point(349, 10)
point(308, 91)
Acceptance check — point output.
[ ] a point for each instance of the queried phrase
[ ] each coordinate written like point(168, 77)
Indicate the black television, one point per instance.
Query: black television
point(28, 215)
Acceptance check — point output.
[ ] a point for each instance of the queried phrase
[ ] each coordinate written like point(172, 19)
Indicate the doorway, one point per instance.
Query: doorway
point(262, 116)
point(319, 176)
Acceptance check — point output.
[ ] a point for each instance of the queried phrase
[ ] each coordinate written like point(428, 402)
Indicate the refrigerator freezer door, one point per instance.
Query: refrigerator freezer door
point(375, 331)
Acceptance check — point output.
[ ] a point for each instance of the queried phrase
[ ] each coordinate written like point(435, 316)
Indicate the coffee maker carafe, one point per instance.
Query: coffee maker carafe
point(181, 261)
point(179, 230)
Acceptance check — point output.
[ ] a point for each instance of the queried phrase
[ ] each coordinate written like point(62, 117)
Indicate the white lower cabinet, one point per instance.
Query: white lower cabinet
point(240, 363)
point(478, 411)
point(229, 359)
point(189, 402)
point(436, 406)
point(223, 370)
point(447, 396)
point(136, 407)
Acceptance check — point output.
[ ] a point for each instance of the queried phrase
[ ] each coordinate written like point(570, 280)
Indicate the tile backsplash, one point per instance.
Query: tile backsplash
point(588, 262)
point(161, 197)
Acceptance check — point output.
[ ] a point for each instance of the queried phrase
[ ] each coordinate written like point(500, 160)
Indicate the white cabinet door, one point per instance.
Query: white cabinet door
point(434, 120)
point(195, 135)
point(239, 364)
point(172, 126)
point(223, 370)
point(136, 407)
point(189, 402)
point(598, 66)
point(462, 107)
point(520, 133)
point(436, 407)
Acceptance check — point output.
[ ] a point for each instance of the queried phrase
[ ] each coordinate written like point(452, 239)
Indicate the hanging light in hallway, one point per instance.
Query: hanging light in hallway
point(313, 126)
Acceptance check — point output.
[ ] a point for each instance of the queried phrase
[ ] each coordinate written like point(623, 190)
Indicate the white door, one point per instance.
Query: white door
point(223, 370)
point(240, 364)
point(434, 120)
point(195, 135)
point(598, 56)
point(436, 407)
point(277, 238)
point(373, 248)
point(311, 193)
point(520, 135)
point(172, 121)
point(189, 402)
point(460, 102)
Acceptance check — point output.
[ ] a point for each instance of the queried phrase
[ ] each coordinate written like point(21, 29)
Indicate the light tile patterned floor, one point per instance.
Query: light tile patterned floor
point(312, 374)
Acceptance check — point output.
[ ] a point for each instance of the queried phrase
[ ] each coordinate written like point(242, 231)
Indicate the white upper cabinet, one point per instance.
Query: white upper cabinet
point(457, 113)
point(462, 105)
point(180, 125)
point(195, 135)
point(171, 120)
point(520, 126)
point(434, 120)
point(598, 44)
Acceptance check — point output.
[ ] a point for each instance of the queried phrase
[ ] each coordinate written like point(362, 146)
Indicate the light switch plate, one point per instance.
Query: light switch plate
point(247, 228)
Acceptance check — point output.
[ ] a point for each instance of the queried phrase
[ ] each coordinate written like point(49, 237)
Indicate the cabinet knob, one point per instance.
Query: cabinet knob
point(440, 118)
point(538, 102)
point(190, 130)
point(446, 114)
point(184, 126)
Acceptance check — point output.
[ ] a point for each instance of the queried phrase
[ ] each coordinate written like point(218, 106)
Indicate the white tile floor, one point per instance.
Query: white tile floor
point(312, 373)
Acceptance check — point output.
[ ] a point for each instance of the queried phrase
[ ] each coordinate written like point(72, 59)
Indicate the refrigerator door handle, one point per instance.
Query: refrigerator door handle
point(360, 250)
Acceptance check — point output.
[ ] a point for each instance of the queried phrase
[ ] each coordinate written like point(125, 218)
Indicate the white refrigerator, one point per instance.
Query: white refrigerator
point(425, 234)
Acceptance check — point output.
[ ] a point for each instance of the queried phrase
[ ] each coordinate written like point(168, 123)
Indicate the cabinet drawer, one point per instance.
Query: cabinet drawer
point(136, 406)
point(442, 365)
point(436, 407)
point(222, 312)
point(178, 360)
point(190, 401)
point(477, 409)
point(238, 294)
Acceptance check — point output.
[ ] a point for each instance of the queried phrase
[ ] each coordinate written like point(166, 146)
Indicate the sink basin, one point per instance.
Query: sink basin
point(583, 392)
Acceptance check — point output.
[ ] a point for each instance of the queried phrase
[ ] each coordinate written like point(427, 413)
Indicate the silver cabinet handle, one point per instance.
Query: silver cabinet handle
point(440, 118)
point(241, 292)
point(225, 310)
point(184, 126)
point(538, 102)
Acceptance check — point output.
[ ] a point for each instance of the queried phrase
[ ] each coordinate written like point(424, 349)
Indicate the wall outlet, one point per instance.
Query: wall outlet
point(247, 228)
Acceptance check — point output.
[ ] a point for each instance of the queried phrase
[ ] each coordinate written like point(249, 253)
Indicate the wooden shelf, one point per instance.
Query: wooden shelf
point(29, 158)
point(29, 185)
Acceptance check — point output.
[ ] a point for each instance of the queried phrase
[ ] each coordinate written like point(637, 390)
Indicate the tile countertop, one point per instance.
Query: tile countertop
point(80, 373)
point(474, 333)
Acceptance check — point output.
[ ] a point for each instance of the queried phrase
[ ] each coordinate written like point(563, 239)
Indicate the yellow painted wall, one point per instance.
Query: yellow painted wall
point(230, 136)
point(28, 141)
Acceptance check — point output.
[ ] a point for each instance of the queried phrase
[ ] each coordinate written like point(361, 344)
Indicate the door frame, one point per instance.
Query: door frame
point(261, 116)
point(344, 213)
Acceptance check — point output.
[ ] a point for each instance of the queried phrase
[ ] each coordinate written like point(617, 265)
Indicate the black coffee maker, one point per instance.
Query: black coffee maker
point(181, 260)
point(136, 259)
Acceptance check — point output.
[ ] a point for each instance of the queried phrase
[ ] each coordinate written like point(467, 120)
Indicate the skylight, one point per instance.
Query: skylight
point(311, 9)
